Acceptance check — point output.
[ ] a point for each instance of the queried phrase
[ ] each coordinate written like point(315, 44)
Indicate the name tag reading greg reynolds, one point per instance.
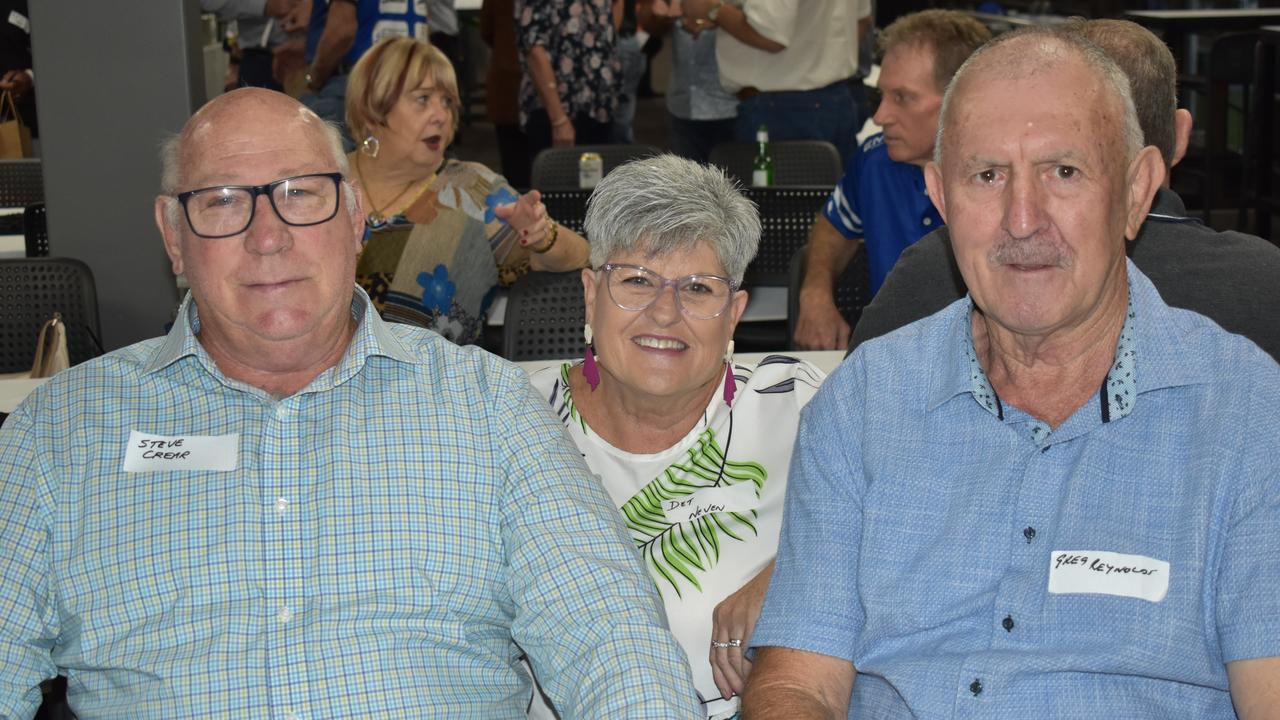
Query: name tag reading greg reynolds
point(1108, 573)
point(153, 453)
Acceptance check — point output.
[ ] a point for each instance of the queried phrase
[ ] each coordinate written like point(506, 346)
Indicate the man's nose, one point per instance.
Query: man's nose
point(267, 234)
point(1024, 212)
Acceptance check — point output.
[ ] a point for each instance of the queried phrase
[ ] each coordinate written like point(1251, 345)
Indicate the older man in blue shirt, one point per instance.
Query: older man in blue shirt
point(1056, 497)
point(289, 509)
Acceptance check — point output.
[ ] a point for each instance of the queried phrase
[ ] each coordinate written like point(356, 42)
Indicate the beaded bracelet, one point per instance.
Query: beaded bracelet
point(551, 242)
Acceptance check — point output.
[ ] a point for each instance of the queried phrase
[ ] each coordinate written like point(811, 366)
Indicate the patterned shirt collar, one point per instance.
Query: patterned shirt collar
point(1115, 396)
point(372, 337)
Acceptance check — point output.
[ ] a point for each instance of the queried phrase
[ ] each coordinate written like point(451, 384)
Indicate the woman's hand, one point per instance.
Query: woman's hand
point(528, 217)
point(563, 135)
point(735, 619)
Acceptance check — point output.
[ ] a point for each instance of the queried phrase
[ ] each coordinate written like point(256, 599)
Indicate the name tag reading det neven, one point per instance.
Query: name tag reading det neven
point(152, 453)
point(730, 498)
point(1108, 573)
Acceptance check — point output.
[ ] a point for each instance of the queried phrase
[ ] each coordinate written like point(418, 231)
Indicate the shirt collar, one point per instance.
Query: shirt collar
point(372, 337)
point(1147, 336)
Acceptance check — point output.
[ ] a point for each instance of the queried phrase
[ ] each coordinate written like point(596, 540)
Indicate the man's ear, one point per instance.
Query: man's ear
point(1146, 173)
point(1181, 136)
point(172, 238)
point(933, 183)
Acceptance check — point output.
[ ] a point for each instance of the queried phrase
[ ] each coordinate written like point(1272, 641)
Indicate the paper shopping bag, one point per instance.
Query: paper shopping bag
point(15, 138)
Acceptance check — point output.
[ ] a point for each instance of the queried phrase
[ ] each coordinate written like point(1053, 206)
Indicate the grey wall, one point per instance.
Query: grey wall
point(113, 79)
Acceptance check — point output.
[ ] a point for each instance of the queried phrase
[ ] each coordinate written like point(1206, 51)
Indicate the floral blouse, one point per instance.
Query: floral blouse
point(438, 264)
point(579, 37)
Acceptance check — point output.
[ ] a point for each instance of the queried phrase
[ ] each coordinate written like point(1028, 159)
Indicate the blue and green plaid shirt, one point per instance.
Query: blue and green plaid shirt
point(389, 541)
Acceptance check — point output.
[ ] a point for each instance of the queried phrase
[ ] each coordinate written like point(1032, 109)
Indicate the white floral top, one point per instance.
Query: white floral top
point(704, 513)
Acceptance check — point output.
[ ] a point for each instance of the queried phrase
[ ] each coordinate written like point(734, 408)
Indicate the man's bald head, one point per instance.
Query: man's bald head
point(210, 124)
point(1041, 50)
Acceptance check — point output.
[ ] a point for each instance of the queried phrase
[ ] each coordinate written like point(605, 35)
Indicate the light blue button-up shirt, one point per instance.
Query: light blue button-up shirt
point(922, 531)
point(385, 539)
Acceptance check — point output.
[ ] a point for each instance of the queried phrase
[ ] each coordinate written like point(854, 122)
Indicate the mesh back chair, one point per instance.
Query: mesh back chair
point(852, 291)
point(21, 182)
point(567, 207)
point(545, 315)
point(36, 230)
point(31, 290)
point(795, 162)
point(786, 214)
point(556, 168)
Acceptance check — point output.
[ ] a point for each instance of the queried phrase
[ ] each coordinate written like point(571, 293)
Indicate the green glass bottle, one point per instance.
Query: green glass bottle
point(762, 165)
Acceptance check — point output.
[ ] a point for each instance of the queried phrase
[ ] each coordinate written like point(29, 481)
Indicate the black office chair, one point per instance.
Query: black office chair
point(567, 207)
point(786, 214)
point(21, 182)
point(556, 168)
point(35, 228)
point(545, 317)
point(852, 291)
point(795, 162)
point(31, 290)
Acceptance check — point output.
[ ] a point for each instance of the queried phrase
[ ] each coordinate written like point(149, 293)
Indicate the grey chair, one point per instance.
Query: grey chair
point(786, 215)
point(795, 162)
point(545, 316)
point(31, 290)
point(21, 182)
point(556, 168)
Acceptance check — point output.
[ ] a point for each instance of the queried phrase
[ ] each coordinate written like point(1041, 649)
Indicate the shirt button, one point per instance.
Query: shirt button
point(975, 687)
point(1007, 623)
point(1029, 533)
point(285, 614)
point(291, 716)
point(281, 505)
point(927, 222)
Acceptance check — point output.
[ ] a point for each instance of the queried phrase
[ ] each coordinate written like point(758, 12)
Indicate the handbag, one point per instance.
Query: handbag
point(51, 348)
point(15, 138)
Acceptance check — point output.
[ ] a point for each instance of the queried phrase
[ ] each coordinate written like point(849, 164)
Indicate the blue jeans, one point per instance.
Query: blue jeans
point(633, 64)
point(825, 113)
point(330, 104)
point(694, 139)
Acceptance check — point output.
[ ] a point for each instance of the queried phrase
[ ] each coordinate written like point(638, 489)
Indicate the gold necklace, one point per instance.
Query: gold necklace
point(378, 217)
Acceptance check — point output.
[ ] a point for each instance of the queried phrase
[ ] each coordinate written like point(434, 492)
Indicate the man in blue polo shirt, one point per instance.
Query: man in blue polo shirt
point(1056, 497)
point(881, 200)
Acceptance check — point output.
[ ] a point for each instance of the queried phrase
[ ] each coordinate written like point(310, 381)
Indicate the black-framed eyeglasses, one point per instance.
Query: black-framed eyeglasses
point(635, 287)
point(226, 210)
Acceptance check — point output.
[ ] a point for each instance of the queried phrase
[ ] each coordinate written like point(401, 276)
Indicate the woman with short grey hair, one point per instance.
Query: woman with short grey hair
point(692, 447)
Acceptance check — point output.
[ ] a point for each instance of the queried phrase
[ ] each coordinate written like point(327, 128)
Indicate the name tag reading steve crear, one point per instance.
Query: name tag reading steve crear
point(153, 453)
point(1108, 573)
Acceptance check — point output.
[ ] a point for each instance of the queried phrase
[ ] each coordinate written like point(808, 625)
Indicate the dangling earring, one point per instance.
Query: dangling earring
point(589, 369)
point(369, 146)
point(729, 382)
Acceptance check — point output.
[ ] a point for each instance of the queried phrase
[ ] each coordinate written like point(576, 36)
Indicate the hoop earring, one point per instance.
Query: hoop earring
point(369, 146)
point(730, 385)
point(589, 369)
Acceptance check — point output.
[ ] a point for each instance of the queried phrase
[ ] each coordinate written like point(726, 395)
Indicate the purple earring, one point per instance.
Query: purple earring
point(729, 382)
point(589, 369)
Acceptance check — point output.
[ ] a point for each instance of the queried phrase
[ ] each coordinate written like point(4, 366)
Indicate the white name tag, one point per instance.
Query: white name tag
point(151, 453)
point(19, 20)
point(1108, 573)
point(729, 498)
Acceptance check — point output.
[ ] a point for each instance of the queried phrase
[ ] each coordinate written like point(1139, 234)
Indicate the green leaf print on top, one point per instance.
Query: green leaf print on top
point(676, 552)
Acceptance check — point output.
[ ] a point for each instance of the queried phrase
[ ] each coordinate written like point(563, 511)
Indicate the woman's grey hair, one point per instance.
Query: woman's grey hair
point(171, 167)
point(661, 204)
point(1049, 45)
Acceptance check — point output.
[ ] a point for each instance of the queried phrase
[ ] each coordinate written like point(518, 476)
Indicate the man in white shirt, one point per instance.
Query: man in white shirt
point(789, 62)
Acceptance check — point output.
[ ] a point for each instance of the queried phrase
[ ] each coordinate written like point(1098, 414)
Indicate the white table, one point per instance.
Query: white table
point(14, 391)
point(825, 360)
point(12, 246)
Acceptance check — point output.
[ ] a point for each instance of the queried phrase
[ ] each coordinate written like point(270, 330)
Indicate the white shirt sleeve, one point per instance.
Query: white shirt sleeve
point(774, 19)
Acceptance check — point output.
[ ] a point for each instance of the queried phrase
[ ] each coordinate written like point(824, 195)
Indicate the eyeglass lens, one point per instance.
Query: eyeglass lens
point(636, 288)
point(223, 211)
